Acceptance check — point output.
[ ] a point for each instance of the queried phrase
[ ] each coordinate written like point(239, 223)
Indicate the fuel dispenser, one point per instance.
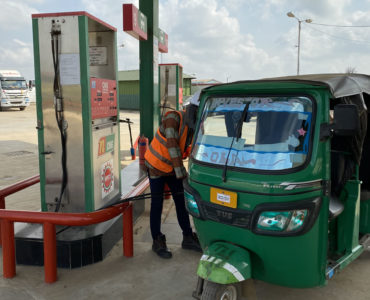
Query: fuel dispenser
point(78, 135)
point(78, 119)
point(170, 87)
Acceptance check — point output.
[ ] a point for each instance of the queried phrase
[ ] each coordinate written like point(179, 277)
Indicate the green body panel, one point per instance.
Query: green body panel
point(348, 258)
point(295, 261)
point(86, 116)
point(365, 216)
point(149, 90)
point(349, 220)
point(225, 263)
point(298, 261)
point(40, 121)
point(118, 111)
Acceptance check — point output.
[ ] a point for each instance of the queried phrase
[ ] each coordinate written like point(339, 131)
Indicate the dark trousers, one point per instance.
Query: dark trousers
point(177, 191)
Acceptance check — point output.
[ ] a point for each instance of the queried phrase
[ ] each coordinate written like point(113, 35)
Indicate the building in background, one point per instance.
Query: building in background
point(198, 84)
point(129, 88)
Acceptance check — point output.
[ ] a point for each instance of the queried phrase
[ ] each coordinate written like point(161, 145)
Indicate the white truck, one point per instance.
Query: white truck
point(13, 90)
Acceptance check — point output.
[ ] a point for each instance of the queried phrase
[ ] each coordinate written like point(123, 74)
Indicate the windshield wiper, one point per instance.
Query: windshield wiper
point(238, 131)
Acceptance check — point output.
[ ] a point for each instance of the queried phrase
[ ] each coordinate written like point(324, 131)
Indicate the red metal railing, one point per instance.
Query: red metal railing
point(16, 188)
point(50, 220)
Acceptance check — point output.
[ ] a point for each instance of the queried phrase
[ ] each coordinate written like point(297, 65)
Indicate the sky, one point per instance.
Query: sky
point(226, 40)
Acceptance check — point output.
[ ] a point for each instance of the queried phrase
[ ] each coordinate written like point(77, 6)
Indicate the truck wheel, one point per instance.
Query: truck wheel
point(22, 108)
point(216, 291)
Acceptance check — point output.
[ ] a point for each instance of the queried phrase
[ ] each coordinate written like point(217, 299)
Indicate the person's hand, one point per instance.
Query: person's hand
point(184, 176)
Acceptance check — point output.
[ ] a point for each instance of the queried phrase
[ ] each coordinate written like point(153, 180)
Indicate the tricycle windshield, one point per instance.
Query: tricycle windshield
point(261, 133)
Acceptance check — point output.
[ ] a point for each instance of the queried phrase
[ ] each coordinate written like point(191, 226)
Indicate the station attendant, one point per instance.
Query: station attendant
point(164, 160)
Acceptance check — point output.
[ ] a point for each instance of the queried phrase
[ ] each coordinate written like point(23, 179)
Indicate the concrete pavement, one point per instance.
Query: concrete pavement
point(145, 276)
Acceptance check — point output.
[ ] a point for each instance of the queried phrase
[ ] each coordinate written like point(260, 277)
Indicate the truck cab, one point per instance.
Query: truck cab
point(13, 90)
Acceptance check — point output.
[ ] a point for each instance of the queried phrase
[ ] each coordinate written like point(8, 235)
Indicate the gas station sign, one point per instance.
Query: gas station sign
point(134, 22)
point(162, 41)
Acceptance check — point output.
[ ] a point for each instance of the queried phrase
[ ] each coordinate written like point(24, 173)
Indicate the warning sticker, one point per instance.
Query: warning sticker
point(98, 56)
point(69, 66)
point(107, 178)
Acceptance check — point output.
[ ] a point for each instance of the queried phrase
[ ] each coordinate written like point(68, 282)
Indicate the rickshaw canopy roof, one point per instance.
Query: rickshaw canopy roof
point(340, 85)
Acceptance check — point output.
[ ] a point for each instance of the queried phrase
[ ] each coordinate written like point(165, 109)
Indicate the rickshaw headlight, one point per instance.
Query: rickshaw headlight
point(280, 221)
point(191, 205)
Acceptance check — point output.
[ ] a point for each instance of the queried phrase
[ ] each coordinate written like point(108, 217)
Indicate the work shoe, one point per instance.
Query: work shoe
point(191, 242)
point(160, 247)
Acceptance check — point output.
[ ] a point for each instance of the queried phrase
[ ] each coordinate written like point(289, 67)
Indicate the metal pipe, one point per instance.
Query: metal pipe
point(50, 256)
point(19, 186)
point(2, 206)
point(128, 235)
point(16, 188)
point(7, 234)
point(66, 219)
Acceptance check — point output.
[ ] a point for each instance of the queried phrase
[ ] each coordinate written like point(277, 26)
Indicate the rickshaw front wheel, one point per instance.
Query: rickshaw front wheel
point(216, 291)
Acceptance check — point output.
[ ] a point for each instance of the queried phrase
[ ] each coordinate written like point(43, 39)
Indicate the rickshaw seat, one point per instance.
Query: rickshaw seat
point(335, 207)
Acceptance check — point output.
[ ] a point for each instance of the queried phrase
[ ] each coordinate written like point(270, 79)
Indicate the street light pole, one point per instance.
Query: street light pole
point(299, 44)
point(291, 15)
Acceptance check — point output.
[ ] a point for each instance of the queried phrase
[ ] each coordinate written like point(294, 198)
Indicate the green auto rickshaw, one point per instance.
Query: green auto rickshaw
point(279, 181)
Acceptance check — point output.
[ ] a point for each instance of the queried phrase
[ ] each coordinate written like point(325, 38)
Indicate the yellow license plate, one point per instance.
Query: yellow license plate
point(224, 198)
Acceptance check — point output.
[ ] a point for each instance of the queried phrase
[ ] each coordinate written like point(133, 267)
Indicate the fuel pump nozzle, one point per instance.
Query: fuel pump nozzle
point(58, 106)
point(55, 28)
point(132, 150)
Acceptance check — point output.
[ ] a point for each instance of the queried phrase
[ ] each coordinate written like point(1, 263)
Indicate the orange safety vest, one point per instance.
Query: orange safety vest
point(157, 153)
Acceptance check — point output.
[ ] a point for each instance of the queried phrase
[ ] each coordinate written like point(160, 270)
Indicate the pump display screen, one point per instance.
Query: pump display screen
point(103, 98)
point(262, 133)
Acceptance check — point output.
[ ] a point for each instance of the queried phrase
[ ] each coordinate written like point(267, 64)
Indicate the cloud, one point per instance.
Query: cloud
point(15, 15)
point(219, 39)
point(324, 10)
point(328, 9)
point(35, 1)
point(207, 40)
point(15, 55)
point(233, 5)
point(16, 36)
point(21, 43)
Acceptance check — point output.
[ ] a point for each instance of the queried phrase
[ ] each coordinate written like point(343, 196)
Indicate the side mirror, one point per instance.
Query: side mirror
point(346, 120)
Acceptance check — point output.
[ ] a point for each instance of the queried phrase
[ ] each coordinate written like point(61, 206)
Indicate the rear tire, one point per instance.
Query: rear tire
point(22, 108)
point(216, 291)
